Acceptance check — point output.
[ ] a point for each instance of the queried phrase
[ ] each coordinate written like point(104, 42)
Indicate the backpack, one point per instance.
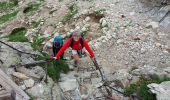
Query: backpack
point(58, 41)
point(81, 40)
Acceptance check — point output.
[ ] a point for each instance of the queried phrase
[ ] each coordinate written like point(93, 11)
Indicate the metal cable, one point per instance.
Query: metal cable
point(17, 49)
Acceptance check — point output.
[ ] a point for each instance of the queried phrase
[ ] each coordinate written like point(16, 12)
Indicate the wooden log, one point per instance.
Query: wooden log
point(10, 86)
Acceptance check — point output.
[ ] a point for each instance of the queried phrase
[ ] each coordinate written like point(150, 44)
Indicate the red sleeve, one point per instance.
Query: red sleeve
point(64, 47)
point(88, 48)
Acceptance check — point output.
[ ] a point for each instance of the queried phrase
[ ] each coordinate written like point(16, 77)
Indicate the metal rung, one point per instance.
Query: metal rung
point(90, 69)
point(94, 75)
point(87, 80)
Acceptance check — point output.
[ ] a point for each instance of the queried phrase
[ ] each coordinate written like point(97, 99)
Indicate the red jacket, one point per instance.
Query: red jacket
point(76, 46)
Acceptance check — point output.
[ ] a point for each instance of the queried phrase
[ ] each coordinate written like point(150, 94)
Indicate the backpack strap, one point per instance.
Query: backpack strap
point(81, 42)
point(71, 43)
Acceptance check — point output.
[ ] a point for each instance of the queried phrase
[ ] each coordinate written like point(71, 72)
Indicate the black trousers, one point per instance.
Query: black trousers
point(56, 50)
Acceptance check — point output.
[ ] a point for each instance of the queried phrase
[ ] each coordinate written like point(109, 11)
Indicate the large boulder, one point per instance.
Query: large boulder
point(11, 57)
point(162, 90)
point(152, 72)
point(29, 83)
point(69, 84)
point(42, 90)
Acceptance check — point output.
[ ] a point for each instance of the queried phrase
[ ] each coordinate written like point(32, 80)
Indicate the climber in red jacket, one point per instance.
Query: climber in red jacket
point(77, 43)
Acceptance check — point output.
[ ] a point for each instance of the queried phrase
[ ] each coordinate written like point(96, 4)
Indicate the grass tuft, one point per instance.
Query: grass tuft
point(7, 17)
point(140, 88)
point(18, 35)
point(8, 5)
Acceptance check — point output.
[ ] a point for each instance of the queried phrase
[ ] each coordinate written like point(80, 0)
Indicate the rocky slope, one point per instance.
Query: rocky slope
point(131, 40)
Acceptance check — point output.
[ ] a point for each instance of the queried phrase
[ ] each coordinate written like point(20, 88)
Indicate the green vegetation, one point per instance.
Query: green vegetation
point(100, 12)
point(56, 67)
point(18, 35)
point(140, 88)
point(37, 41)
point(35, 24)
point(73, 10)
point(8, 5)
point(7, 17)
point(31, 9)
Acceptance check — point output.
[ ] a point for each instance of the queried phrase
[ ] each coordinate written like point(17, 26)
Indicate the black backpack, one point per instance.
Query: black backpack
point(81, 40)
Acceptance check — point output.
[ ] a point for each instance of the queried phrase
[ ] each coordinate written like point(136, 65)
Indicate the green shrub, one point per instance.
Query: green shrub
point(18, 35)
point(140, 88)
point(56, 67)
point(7, 17)
point(53, 72)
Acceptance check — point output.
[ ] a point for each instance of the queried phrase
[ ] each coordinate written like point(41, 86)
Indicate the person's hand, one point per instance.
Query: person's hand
point(54, 58)
point(51, 58)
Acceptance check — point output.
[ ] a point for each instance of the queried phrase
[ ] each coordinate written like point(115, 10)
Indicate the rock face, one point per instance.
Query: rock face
point(44, 91)
point(11, 57)
point(126, 38)
point(29, 83)
point(162, 90)
point(68, 85)
point(151, 72)
point(122, 77)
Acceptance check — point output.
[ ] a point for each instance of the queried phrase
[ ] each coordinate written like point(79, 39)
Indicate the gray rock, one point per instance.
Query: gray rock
point(103, 22)
point(84, 29)
point(29, 83)
point(153, 25)
point(121, 77)
point(149, 72)
point(161, 13)
point(42, 90)
point(166, 23)
point(25, 59)
point(70, 84)
point(162, 90)
point(56, 93)
point(11, 57)
point(30, 33)
point(47, 46)
point(39, 71)
point(167, 70)
point(134, 79)
point(37, 90)
point(105, 29)
point(20, 75)
point(23, 87)
point(87, 19)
